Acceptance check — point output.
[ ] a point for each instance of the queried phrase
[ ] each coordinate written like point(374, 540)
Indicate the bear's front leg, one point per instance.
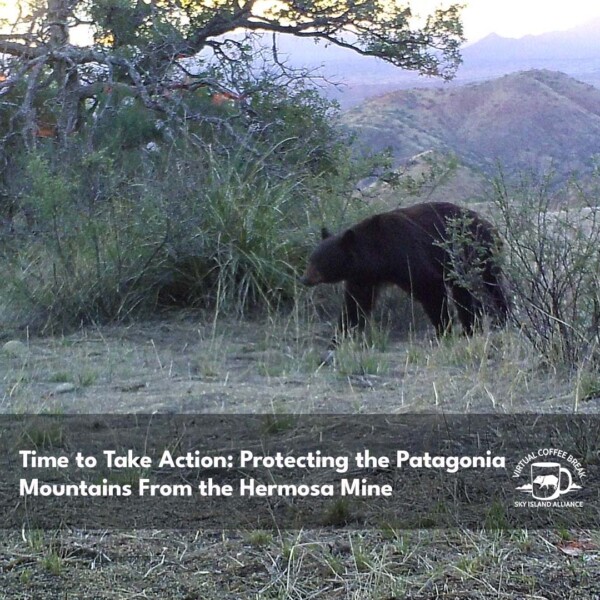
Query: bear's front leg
point(359, 300)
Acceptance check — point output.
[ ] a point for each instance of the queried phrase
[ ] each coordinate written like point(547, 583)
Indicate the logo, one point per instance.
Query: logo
point(550, 474)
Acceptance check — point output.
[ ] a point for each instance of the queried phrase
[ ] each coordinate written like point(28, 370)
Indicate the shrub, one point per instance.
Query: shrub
point(115, 229)
point(553, 263)
point(89, 252)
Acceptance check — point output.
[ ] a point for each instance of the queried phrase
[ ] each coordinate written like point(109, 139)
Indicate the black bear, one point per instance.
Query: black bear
point(434, 251)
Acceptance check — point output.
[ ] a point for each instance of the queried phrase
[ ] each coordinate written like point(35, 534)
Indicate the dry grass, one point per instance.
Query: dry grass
point(195, 364)
point(191, 364)
point(359, 565)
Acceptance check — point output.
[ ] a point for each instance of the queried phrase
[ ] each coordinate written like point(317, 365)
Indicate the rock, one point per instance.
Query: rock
point(15, 349)
point(65, 388)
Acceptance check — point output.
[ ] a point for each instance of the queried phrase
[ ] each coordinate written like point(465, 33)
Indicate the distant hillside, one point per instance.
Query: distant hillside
point(527, 120)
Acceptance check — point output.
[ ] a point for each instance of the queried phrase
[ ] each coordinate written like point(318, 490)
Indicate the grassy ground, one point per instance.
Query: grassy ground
point(191, 363)
point(186, 364)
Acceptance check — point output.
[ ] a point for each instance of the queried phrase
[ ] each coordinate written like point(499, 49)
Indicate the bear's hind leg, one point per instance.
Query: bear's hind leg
point(469, 309)
point(499, 304)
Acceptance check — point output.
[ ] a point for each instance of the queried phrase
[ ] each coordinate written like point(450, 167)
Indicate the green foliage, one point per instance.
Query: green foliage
point(338, 513)
point(296, 115)
point(124, 123)
point(376, 28)
point(361, 356)
point(133, 217)
point(471, 253)
point(161, 54)
point(89, 251)
point(467, 256)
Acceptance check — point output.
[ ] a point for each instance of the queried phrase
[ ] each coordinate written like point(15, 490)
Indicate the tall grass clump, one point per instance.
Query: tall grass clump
point(237, 234)
point(553, 266)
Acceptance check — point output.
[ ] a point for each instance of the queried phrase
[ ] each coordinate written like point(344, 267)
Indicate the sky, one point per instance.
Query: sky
point(509, 18)
point(516, 18)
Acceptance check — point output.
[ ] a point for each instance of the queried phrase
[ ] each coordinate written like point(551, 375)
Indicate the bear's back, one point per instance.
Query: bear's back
point(422, 221)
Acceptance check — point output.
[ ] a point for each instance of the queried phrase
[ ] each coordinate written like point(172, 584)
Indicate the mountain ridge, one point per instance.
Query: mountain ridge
point(575, 51)
point(530, 120)
point(579, 42)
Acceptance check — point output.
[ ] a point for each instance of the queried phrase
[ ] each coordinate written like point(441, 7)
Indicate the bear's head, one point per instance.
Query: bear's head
point(333, 260)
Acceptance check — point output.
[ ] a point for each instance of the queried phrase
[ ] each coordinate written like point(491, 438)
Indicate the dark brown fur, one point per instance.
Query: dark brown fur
point(402, 247)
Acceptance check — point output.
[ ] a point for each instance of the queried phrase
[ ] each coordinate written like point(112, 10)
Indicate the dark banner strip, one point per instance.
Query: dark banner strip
point(290, 471)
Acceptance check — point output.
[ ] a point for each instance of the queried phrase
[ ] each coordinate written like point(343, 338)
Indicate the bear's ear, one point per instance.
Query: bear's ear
point(348, 239)
point(325, 233)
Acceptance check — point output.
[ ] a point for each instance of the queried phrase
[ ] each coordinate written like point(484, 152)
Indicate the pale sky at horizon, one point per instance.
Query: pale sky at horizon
point(508, 18)
point(517, 18)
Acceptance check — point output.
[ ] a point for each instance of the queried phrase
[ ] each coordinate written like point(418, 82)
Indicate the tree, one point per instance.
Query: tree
point(156, 149)
point(153, 50)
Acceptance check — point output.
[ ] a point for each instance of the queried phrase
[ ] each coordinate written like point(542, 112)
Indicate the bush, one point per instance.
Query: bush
point(553, 265)
point(89, 253)
point(115, 230)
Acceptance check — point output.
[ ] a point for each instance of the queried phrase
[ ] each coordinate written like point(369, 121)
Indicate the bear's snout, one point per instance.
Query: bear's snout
point(311, 277)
